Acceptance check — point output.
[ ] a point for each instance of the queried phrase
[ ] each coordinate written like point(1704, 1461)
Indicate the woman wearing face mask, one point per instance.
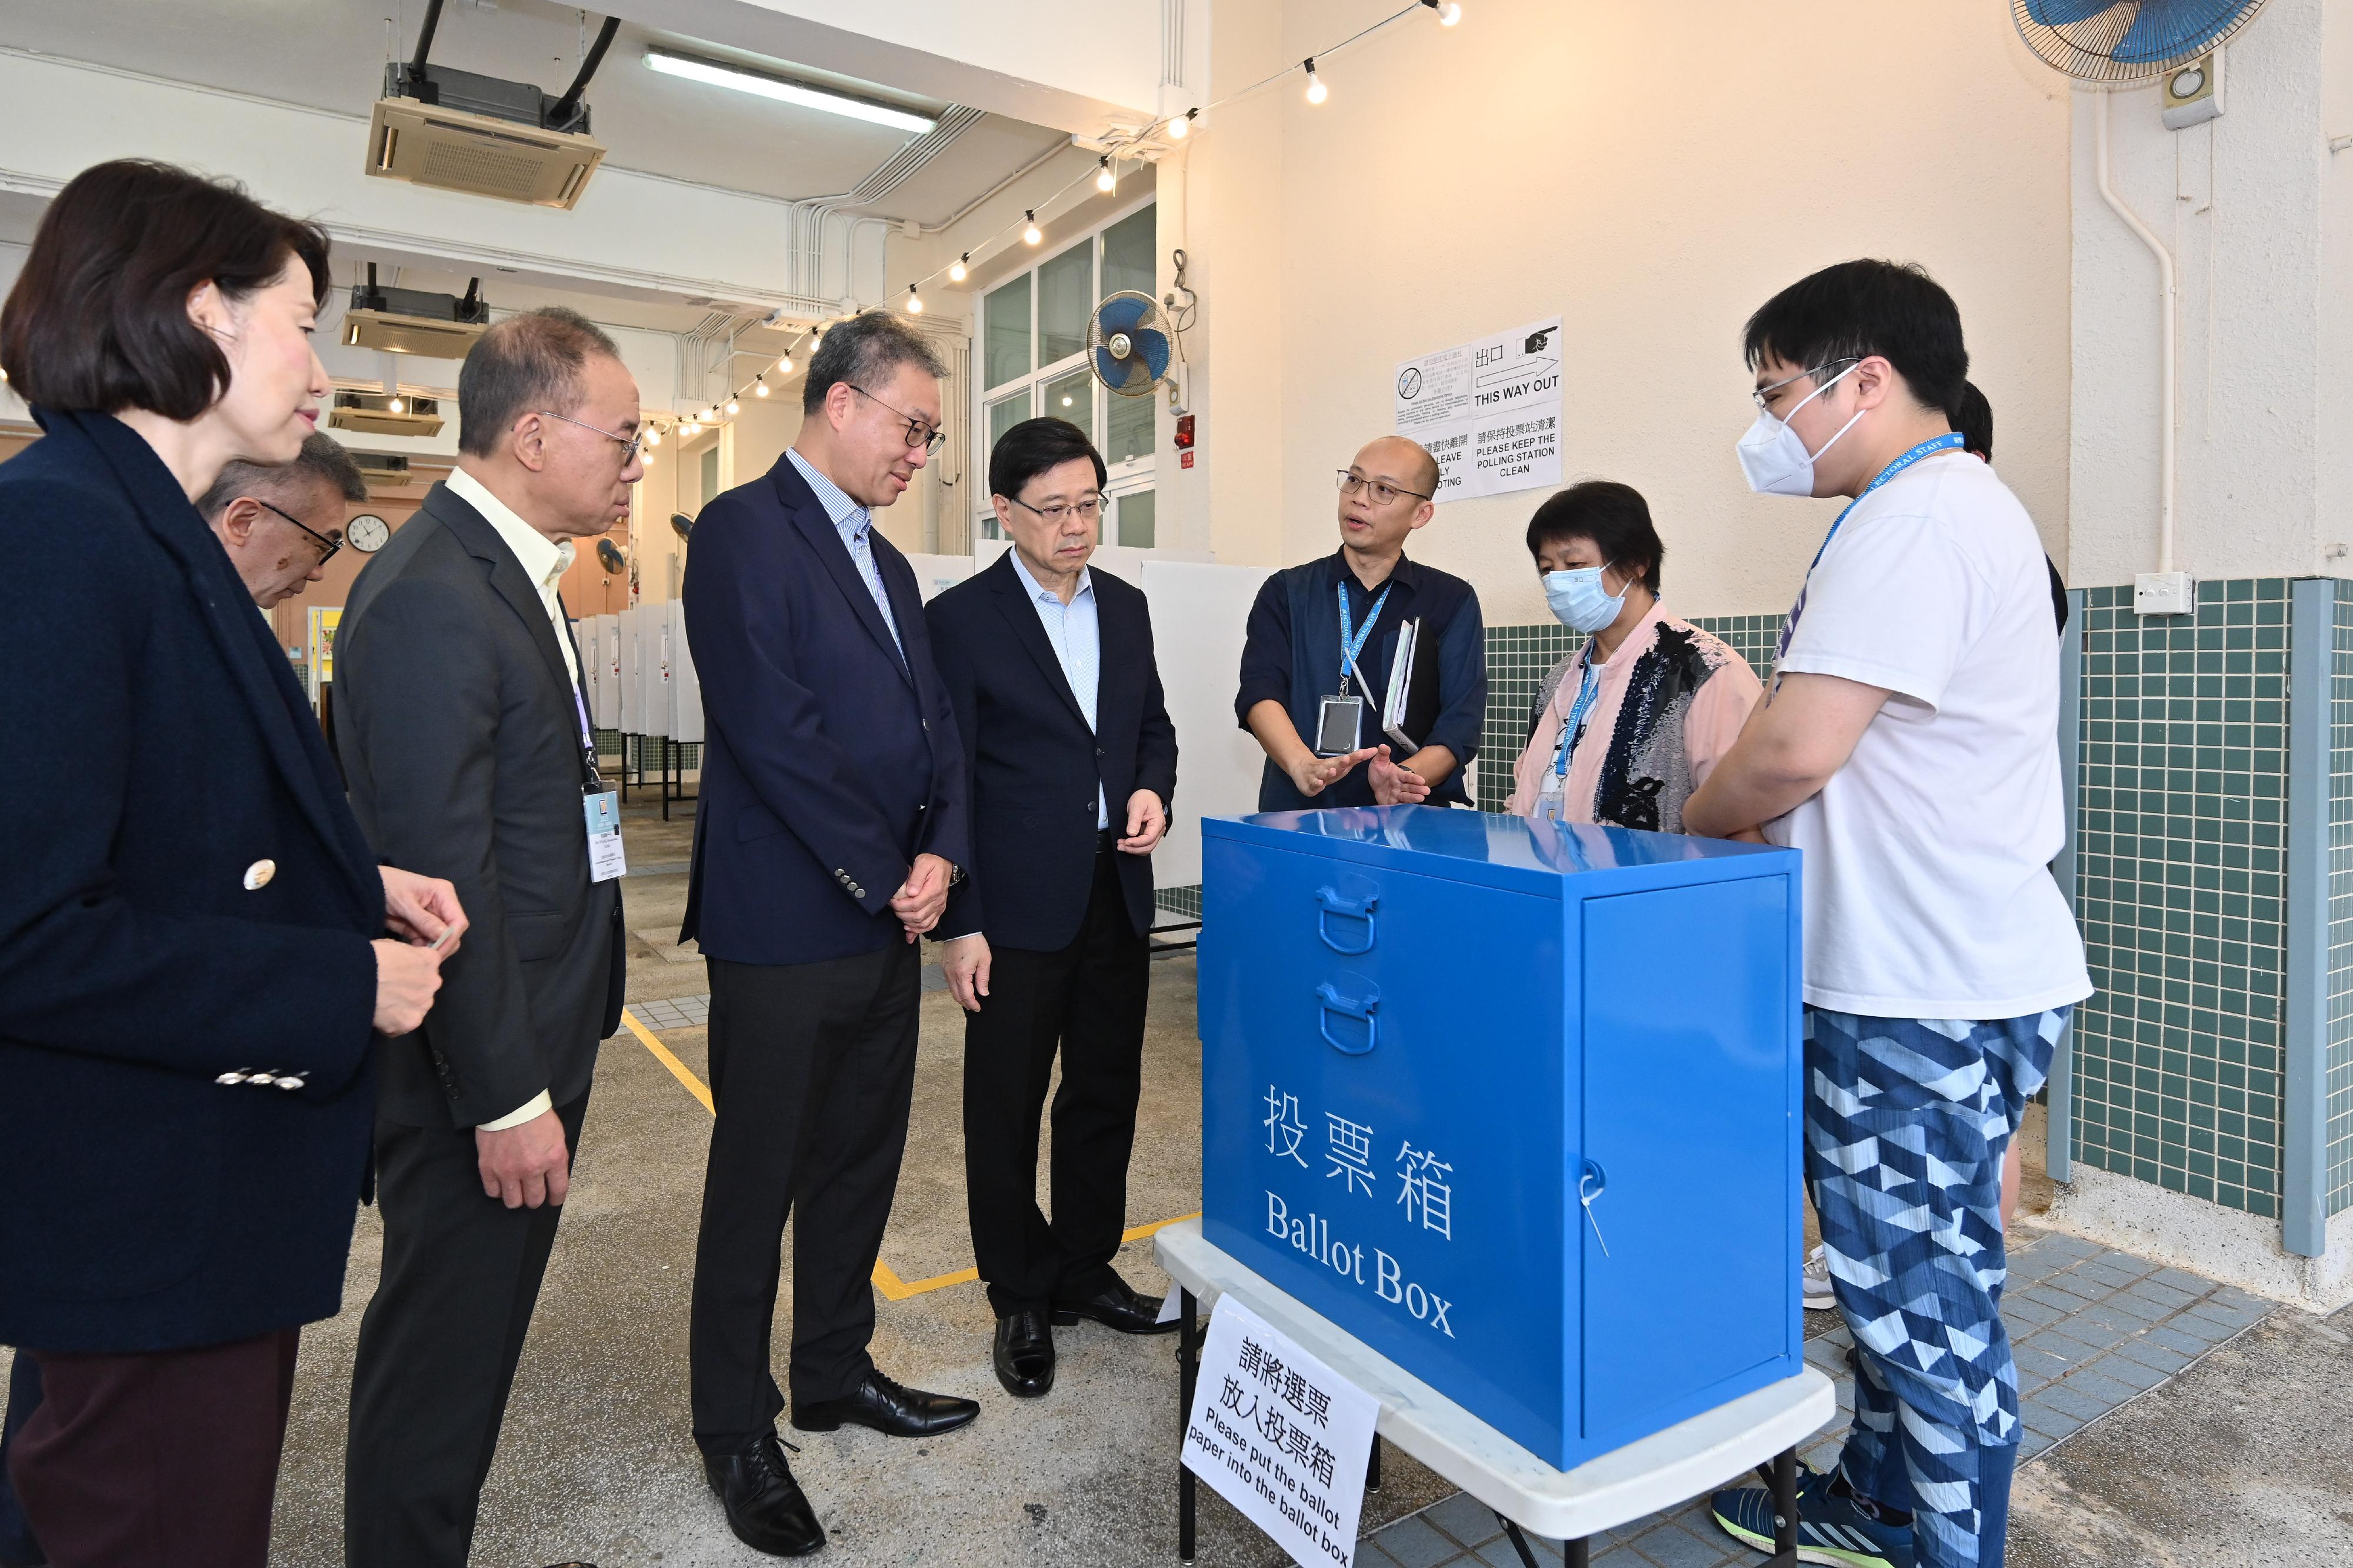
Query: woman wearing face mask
point(1627, 726)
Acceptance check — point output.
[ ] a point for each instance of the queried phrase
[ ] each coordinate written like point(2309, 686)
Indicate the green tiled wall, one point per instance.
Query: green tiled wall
point(2341, 903)
point(2182, 892)
point(1518, 659)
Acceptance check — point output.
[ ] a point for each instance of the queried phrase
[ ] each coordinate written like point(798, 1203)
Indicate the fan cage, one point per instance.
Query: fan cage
point(2085, 49)
point(1153, 317)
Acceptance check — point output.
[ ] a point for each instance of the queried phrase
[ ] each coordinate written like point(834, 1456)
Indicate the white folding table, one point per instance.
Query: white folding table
point(1760, 1430)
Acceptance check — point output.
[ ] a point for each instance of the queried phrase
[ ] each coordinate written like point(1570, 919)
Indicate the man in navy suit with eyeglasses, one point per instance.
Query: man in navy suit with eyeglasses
point(832, 823)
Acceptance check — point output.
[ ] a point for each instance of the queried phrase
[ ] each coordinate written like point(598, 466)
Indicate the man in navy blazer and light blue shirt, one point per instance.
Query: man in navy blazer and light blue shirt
point(832, 821)
point(1058, 699)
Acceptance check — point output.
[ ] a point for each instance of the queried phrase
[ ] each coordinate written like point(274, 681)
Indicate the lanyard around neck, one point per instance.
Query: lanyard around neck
point(1353, 644)
point(1950, 441)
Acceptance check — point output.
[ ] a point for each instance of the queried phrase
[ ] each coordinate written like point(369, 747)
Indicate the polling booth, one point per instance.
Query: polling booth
point(1514, 1106)
point(679, 699)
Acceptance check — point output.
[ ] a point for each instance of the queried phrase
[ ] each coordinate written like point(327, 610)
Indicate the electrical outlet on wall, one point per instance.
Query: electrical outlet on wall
point(2164, 593)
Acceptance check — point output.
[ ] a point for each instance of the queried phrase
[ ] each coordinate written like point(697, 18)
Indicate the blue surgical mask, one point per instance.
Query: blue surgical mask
point(1580, 602)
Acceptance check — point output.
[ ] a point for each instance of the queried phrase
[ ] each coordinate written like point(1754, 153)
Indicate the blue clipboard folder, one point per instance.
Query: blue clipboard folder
point(1513, 1102)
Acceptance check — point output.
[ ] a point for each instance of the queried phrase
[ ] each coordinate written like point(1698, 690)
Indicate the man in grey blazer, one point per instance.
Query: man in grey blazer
point(464, 736)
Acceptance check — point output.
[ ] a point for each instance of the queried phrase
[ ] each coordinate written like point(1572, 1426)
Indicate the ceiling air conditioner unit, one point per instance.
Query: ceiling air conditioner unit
point(387, 472)
point(455, 131)
point(379, 414)
point(415, 320)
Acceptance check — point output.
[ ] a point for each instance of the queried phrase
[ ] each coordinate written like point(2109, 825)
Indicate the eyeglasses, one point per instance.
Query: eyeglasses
point(1088, 510)
point(1764, 393)
point(919, 434)
point(1381, 490)
point(327, 547)
point(628, 443)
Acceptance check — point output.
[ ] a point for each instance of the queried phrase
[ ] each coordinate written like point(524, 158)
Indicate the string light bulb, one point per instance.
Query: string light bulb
point(1182, 126)
point(915, 301)
point(1316, 92)
point(1030, 235)
point(1105, 181)
point(653, 435)
point(733, 407)
point(817, 333)
point(785, 365)
point(711, 416)
point(396, 406)
point(760, 384)
point(1448, 11)
point(960, 268)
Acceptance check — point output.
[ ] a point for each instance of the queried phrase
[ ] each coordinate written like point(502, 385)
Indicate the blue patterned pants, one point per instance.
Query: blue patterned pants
point(1906, 1123)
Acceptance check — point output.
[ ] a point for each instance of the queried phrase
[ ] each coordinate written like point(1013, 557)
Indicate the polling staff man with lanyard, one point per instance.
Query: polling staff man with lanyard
point(1909, 747)
point(1322, 637)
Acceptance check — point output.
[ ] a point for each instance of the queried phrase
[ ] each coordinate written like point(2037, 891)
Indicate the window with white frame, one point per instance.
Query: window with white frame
point(1032, 359)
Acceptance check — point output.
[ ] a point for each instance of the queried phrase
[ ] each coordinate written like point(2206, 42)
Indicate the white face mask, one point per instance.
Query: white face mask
point(1773, 456)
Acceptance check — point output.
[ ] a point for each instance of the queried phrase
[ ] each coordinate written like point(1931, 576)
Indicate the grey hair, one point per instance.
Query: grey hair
point(864, 349)
point(528, 364)
point(322, 461)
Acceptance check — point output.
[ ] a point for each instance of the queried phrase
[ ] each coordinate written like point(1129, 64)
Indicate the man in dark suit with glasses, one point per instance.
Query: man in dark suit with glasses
point(1073, 764)
point(832, 823)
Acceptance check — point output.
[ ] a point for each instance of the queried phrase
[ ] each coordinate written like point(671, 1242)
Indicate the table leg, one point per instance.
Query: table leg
point(1785, 1508)
point(1527, 1557)
point(1189, 1355)
point(1373, 1467)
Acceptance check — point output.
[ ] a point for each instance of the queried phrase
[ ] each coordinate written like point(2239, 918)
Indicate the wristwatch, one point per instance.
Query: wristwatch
point(955, 873)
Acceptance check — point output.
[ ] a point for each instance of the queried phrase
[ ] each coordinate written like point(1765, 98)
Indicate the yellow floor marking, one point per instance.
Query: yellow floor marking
point(893, 1288)
point(679, 1069)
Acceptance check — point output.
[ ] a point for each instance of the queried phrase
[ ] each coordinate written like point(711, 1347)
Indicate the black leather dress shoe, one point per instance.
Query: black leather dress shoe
point(1115, 1306)
point(765, 1506)
point(890, 1408)
point(1025, 1354)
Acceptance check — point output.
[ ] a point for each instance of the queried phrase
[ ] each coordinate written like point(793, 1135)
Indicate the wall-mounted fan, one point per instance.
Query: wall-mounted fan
point(681, 525)
point(608, 555)
point(2124, 41)
point(1130, 343)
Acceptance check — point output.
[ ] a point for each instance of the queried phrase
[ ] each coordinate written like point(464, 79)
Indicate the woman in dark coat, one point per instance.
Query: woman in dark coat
point(193, 933)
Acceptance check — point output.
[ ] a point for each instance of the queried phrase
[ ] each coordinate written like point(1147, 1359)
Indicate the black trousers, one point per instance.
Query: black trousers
point(438, 1345)
point(812, 1073)
point(1086, 1001)
point(18, 1547)
point(164, 1458)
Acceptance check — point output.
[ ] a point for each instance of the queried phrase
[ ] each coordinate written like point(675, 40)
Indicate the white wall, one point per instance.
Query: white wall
point(2264, 383)
point(1651, 172)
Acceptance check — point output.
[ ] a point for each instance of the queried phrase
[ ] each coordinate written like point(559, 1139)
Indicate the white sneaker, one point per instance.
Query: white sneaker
point(1815, 1277)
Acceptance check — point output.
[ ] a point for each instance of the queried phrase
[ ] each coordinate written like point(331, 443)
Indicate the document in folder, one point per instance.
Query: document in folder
point(1411, 706)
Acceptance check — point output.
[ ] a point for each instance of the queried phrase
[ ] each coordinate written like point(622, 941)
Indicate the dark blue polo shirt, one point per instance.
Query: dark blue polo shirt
point(1293, 657)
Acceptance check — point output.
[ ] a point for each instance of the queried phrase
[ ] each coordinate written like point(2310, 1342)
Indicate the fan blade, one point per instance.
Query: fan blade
point(1152, 348)
point(1111, 367)
point(2060, 12)
point(2176, 30)
point(1122, 315)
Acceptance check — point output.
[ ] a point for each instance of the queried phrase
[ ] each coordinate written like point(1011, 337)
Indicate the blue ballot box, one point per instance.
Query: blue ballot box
point(1513, 1102)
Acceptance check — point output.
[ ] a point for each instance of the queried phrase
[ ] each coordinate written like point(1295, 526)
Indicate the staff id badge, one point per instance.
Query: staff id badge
point(603, 811)
point(1337, 725)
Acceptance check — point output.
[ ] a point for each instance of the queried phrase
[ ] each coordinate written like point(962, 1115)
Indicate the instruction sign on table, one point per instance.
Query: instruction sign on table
point(1281, 1436)
point(1488, 411)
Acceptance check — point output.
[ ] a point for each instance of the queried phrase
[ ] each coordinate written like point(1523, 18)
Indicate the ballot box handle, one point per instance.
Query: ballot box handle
point(1365, 1010)
point(1332, 902)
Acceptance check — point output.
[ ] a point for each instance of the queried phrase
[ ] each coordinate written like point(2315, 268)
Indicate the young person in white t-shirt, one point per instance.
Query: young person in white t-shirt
point(1909, 746)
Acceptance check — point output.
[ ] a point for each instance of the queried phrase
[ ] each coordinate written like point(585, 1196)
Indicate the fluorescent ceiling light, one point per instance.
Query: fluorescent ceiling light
point(784, 91)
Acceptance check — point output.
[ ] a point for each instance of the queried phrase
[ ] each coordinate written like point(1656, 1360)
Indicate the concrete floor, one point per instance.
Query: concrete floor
point(2243, 1460)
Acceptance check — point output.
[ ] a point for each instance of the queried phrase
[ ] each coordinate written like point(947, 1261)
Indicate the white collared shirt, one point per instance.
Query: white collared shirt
point(544, 562)
point(1075, 630)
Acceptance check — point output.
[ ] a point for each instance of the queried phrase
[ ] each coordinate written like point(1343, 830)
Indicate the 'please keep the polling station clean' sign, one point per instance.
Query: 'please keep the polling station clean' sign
point(1281, 1436)
point(1489, 411)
